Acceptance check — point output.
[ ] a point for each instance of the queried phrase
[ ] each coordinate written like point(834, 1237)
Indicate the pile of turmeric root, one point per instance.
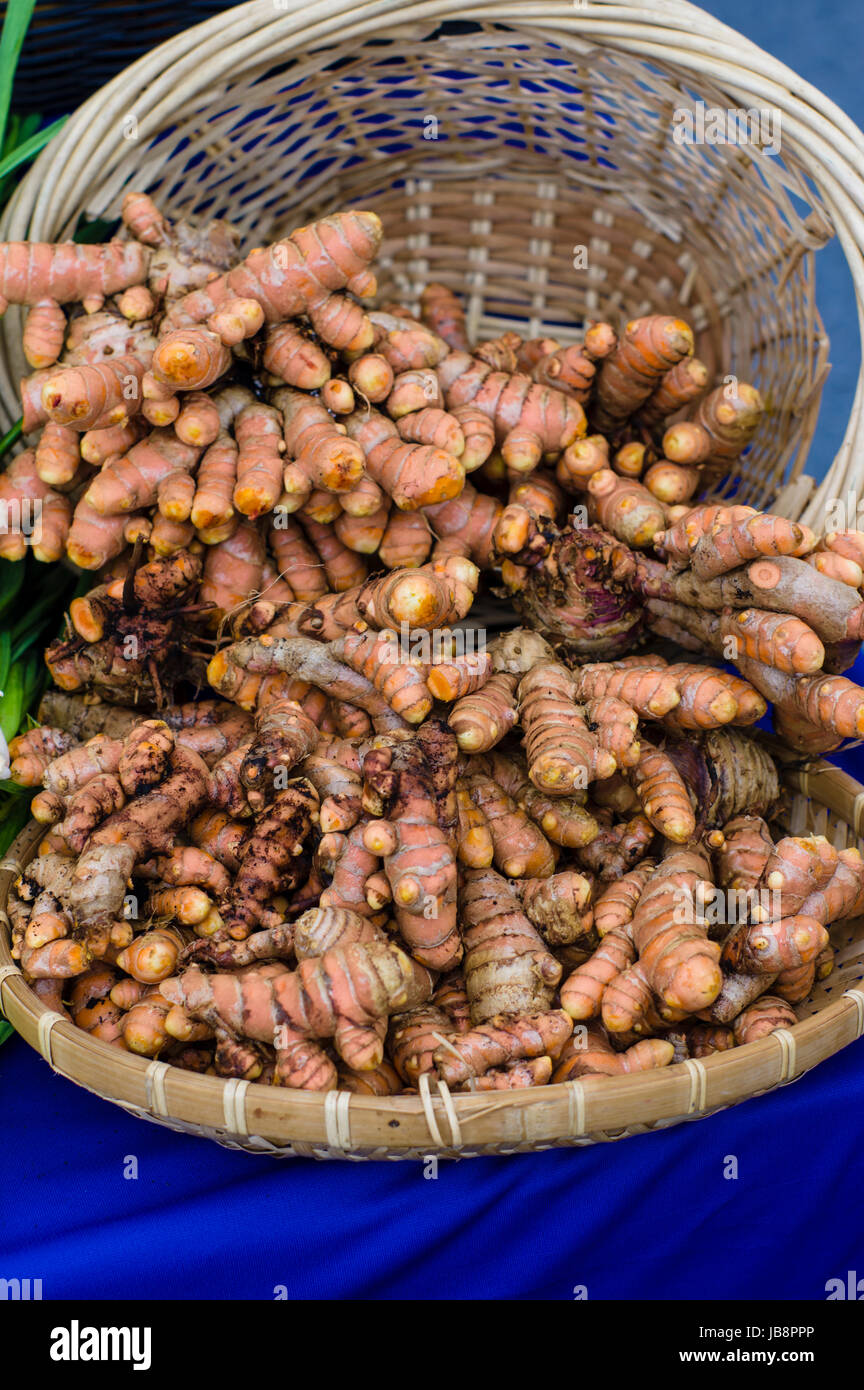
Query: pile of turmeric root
point(260, 898)
point(303, 824)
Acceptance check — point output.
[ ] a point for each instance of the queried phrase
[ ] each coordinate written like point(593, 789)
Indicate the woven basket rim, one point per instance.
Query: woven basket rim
point(667, 1095)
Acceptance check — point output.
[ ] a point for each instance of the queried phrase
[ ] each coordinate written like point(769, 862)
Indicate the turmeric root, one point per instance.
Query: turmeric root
point(143, 1026)
point(615, 849)
point(216, 833)
point(418, 856)
point(434, 427)
point(309, 661)
point(413, 1038)
point(44, 331)
point(317, 444)
point(371, 376)
point(190, 359)
point(676, 961)
point(468, 521)
point(58, 457)
point(232, 569)
point(321, 929)
point(96, 395)
point(62, 959)
point(762, 1018)
point(132, 481)
point(405, 343)
point(152, 957)
point(663, 794)
point(564, 820)
point(520, 849)
point(88, 807)
point(569, 369)
point(671, 484)
point(649, 690)
point(843, 894)
point(258, 432)
point(343, 995)
point(775, 639)
point(799, 867)
point(33, 513)
point(301, 274)
point(442, 311)
point(558, 907)
point(562, 752)
point(295, 358)
point(284, 736)
point(588, 1052)
point(530, 420)
point(351, 865)
point(474, 840)
point(507, 968)
point(733, 543)
point(649, 349)
point(730, 415)
point(464, 673)
point(501, 1040)
point(433, 596)
point(499, 353)
point(67, 272)
point(770, 947)
point(188, 865)
point(625, 508)
point(683, 383)
point(830, 705)
point(746, 849)
point(406, 541)
point(615, 906)
point(146, 755)
point(583, 990)
point(400, 681)
point(31, 753)
point(414, 475)
point(452, 996)
point(344, 569)
point(270, 945)
point(272, 859)
point(146, 824)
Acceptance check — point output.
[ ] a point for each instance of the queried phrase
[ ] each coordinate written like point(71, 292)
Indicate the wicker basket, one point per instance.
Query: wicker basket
point(282, 1123)
point(492, 144)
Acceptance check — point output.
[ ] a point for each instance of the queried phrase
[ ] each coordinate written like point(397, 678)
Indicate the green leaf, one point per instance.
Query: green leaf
point(11, 790)
point(31, 625)
point(30, 148)
point(14, 703)
point(6, 1031)
point(11, 580)
point(22, 127)
point(11, 437)
point(5, 658)
point(15, 26)
point(99, 230)
point(15, 815)
point(35, 679)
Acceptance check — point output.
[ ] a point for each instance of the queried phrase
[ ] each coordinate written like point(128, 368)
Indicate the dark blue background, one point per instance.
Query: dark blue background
point(651, 1217)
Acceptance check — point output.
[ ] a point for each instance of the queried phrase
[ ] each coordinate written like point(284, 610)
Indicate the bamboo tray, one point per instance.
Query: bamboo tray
point(595, 1109)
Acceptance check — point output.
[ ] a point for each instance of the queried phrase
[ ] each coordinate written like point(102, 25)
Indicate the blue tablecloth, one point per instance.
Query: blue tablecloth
point(651, 1217)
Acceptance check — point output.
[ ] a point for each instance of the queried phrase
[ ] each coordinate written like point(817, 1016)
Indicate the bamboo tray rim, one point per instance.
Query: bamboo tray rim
point(436, 1122)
